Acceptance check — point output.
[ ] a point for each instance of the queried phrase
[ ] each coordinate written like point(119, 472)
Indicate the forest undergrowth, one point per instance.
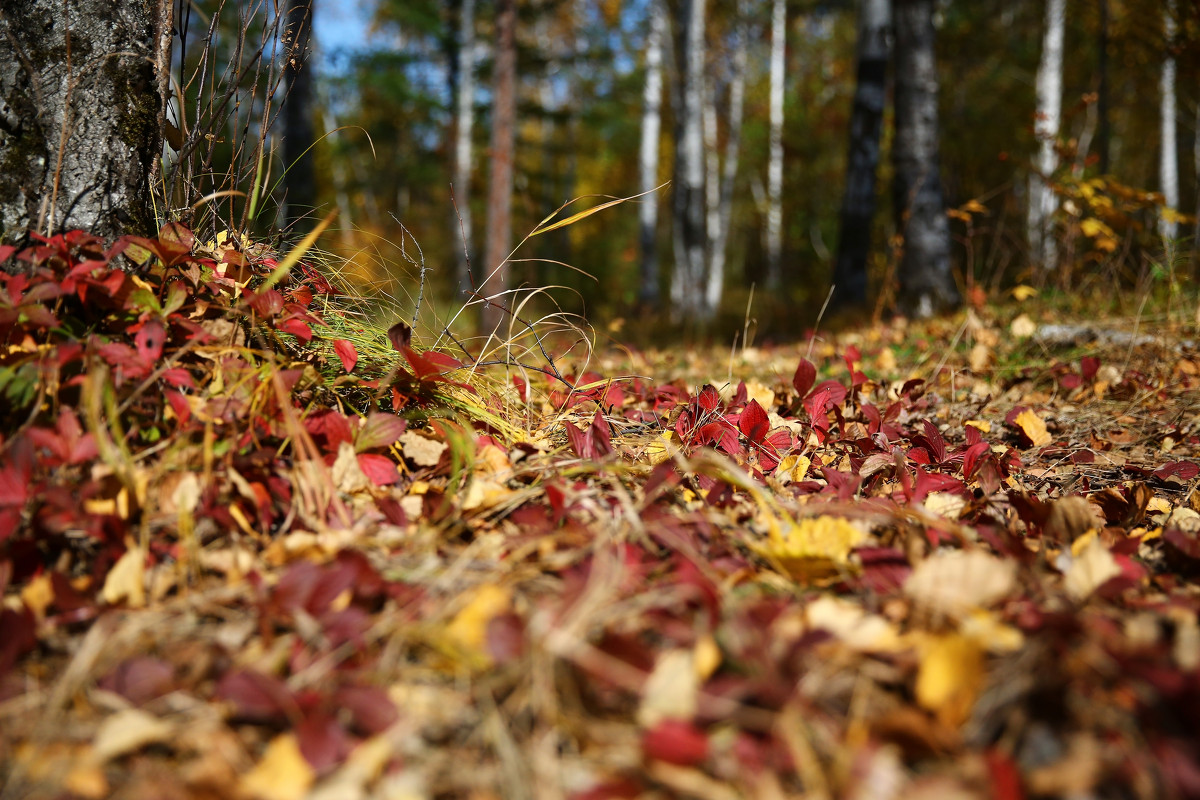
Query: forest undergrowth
point(252, 546)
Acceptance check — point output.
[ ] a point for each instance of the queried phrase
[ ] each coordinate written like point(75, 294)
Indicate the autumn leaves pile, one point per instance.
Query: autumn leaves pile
point(238, 559)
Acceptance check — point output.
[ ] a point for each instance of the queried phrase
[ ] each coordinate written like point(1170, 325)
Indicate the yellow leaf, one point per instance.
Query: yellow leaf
point(983, 426)
point(467, 632)
point(815, 547)
point(850, 623)
point(38, 594)
point(950, 677)
point(1093, 227)
point(283, 773)
point(886, 360)
point(1023, 292)
point(792, 469)
point(1034, 428)
point(126, 579)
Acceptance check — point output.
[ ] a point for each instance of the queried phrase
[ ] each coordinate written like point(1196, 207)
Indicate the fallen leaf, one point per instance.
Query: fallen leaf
point(128, 731)
point(815, 547)
point(282, 774)
point(1034, 428)
point(1023, 327)
point(126, 579)
point(950, 677)
point(670, 691)
point(954, 582)
point(1093, 567)
point(467, 632)
point(422, 450)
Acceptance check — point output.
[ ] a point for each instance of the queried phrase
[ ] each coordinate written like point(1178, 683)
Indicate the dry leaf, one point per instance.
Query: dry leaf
point(126, 580)
point(852, 625)
point(1022, 293)
point(38, 594)
point(954, 582)
point(1023, 327)
point(282, 774)
point(980, 357)
point(950, 677)
point(1034, 428)
point(670, 691)
point(1093, 567)
point(1072, 517)
point(346, 473)
point(128, 731)
point(422, 450)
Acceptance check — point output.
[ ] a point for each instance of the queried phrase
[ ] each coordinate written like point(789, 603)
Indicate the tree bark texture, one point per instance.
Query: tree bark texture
point(866, 129)
point(686, 283)
point(926, 281)
point(297, 117)
point(648, 155)
point(775, 156)
point(504, 113)
point(723, 176)
point(81, 104)
point(1043, 203)
point(464, 119)
point(1168, 161)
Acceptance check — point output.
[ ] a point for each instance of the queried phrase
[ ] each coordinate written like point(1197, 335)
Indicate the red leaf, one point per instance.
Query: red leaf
point(805, 377)
point(601, 437)
point(380, 430)
point(754, 423)
point(140, 679)
point(370, 707)
point(1183, 470)
point(430, 364)
point(149, 341)
point(380, 469)
point(580, 442)
point(255, 696)
point(179, 378)
point(676, 742)
point(709, 398)
point(322, 741)
point(267, 304)
point(346, 352)
point(179, 405)
point(297, 328)
point(1089, 365)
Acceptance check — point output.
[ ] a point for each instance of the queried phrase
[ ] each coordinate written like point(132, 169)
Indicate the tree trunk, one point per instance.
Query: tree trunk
point(464, 119)
point(81, 114)
point(721, 211)
point(775, 157)
point(686, 287)
point(648, 155)
point(866, 128)
point(926, 282)
point(1043, 203)
point(1168, 162)
point(504, 114)
point(1103, 130)
point(300, 184)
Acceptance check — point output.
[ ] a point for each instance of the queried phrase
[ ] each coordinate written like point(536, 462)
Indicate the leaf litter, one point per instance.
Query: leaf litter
point(244, 555)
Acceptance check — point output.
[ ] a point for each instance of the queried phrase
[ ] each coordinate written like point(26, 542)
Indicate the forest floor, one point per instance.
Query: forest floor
point(245, 552)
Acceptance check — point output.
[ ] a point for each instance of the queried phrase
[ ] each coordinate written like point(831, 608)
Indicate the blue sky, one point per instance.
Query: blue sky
point(340, 25)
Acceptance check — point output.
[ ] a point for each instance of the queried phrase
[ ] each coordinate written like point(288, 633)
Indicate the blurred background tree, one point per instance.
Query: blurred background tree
point(410, 95)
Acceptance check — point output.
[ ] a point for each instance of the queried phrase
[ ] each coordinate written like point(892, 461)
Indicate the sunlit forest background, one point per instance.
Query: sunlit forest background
point(384, 124)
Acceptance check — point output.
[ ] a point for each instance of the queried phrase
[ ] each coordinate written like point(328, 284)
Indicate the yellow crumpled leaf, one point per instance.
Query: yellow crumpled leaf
point(126, 579)
point(815, 547)
point(950, 677)
point(1022, 293)
point(1023, 327)
point(1034, 427)
point(282, 774)
point(467, 632)
point(792, 469)
point(661, 447)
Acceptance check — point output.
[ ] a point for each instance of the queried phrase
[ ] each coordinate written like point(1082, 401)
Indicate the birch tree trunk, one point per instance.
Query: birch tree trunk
point(926, 282)
point(775, 157)
point(464, 119)
point(722, 210)
point(1168, 162)
point(866, 129)
point(1043, 203)
point(81, 114)
point(686, 287)
point(648, 155)
point(300, 182)
point(504, 113)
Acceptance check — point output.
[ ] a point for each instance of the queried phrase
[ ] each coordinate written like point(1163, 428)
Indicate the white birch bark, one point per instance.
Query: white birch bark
point(1168, 163)
point(775, 158)
point(1043, 203)
point(464, 119)
point(720, 221)
point(686, 287)
point(648, 154)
